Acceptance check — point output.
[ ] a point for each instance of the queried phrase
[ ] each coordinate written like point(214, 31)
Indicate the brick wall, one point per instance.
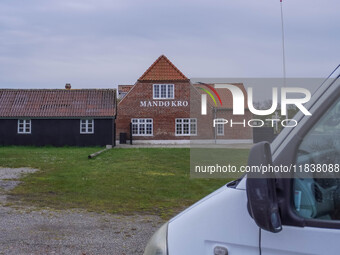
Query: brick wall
point(164, 116)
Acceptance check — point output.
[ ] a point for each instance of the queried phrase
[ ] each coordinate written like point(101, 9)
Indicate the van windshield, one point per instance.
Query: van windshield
point(333, 81)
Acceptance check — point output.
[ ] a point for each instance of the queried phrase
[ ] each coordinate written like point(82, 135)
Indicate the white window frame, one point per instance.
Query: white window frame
point(168, 94)
point(217, 130)
point(182, 128)
point(87, 129)
point(139, 122)
point(26, 123)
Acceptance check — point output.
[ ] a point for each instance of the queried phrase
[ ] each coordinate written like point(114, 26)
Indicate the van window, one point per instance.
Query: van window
point(318, 195)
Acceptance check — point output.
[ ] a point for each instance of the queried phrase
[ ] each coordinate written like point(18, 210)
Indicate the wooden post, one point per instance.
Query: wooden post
point(97, 153)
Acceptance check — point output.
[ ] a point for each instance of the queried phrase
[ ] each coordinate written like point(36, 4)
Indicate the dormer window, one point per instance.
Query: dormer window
point(163, 91)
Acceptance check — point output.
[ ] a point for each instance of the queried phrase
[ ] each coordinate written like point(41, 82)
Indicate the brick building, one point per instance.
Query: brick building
point(123, 90)
point(163, 106)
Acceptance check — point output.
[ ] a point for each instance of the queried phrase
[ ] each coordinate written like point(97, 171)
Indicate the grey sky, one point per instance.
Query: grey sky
point(102, 43)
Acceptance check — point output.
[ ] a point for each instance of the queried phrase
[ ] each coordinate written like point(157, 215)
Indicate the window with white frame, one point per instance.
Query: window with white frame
point(24, 126)
point(163, 91)
point(186, 127)
point(220, 129)
point(142, 127)
point(87, 126)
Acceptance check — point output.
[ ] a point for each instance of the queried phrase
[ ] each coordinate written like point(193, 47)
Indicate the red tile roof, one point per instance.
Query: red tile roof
point(163, 70)
point(57, 103)
point(124, 88)
point(225, 95)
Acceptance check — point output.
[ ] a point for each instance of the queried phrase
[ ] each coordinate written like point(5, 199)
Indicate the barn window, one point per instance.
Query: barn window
point(142, 127)
point(24, 126)
point(220, 129)
point(163, 91)
point(186, 127)
point(86, 126)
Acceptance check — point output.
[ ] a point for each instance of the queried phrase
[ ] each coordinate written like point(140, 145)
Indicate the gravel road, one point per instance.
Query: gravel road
point(26, 230)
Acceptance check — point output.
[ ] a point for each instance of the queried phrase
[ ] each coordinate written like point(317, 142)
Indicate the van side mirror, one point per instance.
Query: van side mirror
point(261, 190)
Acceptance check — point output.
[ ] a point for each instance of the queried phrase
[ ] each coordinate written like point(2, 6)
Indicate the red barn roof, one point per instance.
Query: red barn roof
point(57, 103)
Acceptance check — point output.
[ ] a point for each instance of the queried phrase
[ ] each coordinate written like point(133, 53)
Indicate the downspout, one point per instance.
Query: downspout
point(115, 122)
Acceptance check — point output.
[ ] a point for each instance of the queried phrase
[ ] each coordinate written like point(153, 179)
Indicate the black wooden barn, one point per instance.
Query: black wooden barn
point(57, 117)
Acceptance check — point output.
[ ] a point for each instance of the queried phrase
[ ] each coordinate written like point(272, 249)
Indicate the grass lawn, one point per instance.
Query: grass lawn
point(127, 181)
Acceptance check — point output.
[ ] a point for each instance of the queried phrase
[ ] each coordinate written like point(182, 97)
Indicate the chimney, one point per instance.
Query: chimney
point(68, 86)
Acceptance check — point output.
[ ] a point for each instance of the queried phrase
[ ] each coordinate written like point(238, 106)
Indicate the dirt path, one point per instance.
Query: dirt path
point(26, 230)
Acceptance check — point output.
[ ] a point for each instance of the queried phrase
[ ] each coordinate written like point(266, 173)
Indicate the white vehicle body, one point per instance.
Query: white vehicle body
point(221, 222)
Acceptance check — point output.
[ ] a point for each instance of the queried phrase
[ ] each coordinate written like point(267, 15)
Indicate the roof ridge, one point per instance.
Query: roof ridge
point(174, 67)
point(57, 102)
point(183, 77)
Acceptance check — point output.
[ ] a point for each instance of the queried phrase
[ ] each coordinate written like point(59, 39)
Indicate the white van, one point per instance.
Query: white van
point(274, 216)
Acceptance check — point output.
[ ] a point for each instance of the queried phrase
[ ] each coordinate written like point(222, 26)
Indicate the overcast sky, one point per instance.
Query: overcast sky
point(103, 43)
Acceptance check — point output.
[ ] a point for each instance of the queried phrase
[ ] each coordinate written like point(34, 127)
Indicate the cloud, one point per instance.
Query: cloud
point(103, 43)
